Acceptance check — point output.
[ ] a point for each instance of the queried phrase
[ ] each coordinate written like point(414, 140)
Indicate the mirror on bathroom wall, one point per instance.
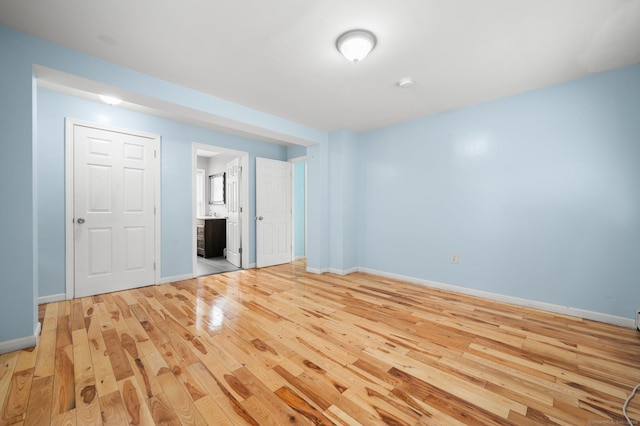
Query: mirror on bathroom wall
point(216, 189)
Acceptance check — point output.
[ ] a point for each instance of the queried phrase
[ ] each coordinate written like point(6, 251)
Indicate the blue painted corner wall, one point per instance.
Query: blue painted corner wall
point(538, 194)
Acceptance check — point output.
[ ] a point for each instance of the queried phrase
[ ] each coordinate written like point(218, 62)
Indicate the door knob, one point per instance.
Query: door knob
point(80, 220)
point(259, 217)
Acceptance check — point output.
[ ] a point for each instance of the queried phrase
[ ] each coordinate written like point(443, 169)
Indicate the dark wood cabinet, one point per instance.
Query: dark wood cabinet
point(212, 237)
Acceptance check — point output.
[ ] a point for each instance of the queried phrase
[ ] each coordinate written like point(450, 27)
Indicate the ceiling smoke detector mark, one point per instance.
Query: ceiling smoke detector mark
point(405, 83)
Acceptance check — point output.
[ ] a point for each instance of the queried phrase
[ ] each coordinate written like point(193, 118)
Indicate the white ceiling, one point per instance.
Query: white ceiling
point(279, 56)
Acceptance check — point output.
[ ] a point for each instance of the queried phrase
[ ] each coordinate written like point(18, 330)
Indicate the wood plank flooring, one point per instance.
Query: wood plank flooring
point(280, 346)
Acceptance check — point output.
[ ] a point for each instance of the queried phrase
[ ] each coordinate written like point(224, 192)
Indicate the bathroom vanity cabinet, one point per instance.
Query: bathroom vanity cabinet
point(211, 236)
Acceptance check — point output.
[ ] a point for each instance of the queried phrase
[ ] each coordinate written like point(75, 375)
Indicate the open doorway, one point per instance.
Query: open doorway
point(220, 223)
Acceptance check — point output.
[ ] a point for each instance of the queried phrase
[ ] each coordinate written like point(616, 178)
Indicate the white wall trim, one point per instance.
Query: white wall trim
point(550, 307)
point(68, 190)
point(251, 266)
point(343, 271)
point(52, 298)
point(297, 159)
point(317, 271)
point(21, 342)
point(299, 257)
point(175, 278)
point(70, 123)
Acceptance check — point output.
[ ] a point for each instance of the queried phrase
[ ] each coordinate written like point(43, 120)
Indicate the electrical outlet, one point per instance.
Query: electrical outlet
point(454, 257)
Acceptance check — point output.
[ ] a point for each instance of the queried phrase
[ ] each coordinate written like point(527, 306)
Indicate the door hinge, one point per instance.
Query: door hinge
point(240, 250)
point(154, 210)
point(155, 154)
point(154, 266)
point(240, 209)
point(240, 168)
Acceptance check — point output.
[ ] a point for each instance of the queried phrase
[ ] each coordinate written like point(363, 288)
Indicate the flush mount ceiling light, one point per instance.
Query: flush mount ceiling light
point(355, 45)
point(111, 100)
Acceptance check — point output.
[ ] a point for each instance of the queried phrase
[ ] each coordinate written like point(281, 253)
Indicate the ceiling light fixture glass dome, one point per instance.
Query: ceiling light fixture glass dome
point(355, 45)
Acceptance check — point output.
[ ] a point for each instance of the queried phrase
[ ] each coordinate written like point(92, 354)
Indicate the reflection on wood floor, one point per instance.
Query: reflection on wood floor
point(280, 346)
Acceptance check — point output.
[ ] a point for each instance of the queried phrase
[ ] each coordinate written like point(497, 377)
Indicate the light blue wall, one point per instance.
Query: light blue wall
point(539, 194)
point(299, 208)
point(332, 203)
point(295, 151)
point(18, 313)
point(51, 197)
point(176, 179)
point(343, 189)
point(318, 207)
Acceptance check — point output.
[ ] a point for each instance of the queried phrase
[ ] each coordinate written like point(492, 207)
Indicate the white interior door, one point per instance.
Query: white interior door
point(233, 211)
point(114, 231)
point(273, 212)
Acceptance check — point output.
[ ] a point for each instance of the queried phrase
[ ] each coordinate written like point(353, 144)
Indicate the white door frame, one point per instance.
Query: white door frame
point(232, 195)
point(244, 200)
point(204, 188)
point(293, 207)
point(70, 123)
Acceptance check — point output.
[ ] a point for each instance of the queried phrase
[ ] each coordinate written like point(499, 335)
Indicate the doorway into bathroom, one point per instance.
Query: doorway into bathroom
point(220, 225)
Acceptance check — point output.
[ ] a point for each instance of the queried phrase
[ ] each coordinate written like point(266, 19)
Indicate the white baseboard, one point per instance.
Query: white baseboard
point(21, 342)
point(317, 271)
point(343, 271)
point(175, 278)
point(300, 257)
point(550, 307)
point(52, 298)
point(251, 266)
point(335, 271)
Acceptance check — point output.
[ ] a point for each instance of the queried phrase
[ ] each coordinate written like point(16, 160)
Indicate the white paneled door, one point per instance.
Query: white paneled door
point(233, 211)
point(114, 208)
point(273, 212)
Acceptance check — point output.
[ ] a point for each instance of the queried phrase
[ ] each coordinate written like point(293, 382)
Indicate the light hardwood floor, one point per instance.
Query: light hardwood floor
point(280, 346)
